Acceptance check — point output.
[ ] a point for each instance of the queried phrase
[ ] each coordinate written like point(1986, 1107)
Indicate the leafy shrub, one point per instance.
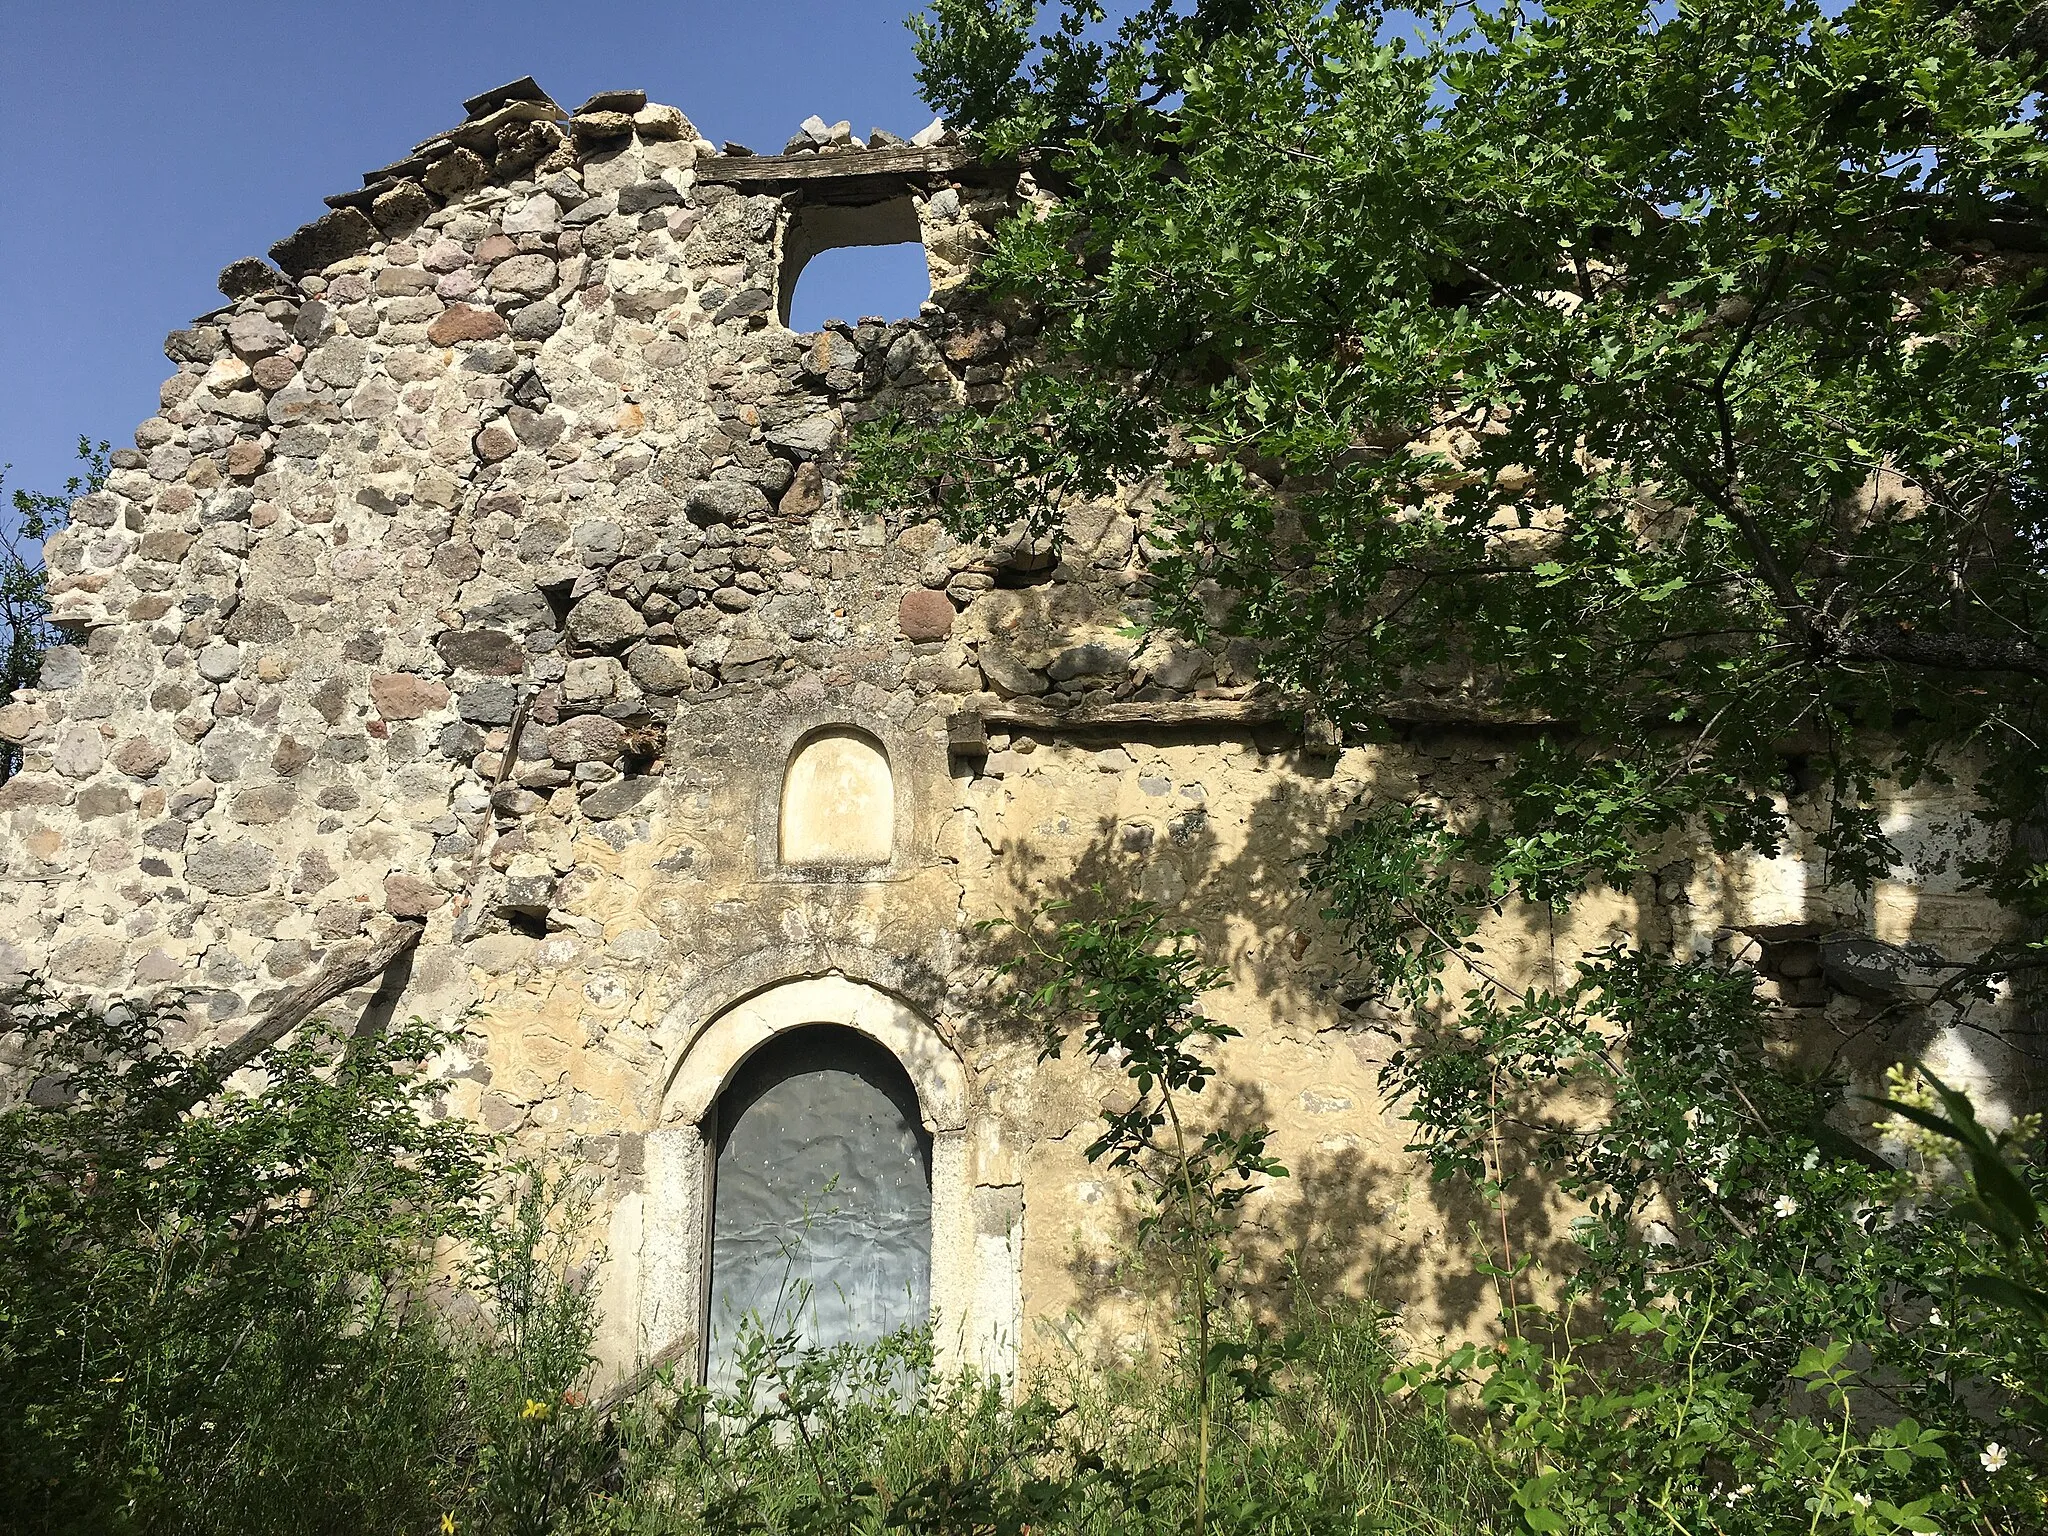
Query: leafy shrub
point(536, 1452)
point(210, 1310)
point(1766, 1324)
point(1239, 1428)
point(1134, 988)
point(25, 630)
point(297, 1302)
point(228, 1306)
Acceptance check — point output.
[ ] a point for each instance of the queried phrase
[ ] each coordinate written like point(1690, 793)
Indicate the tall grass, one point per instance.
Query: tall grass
point(837, 1444)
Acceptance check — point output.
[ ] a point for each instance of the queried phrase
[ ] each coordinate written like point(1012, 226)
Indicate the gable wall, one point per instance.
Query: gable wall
point(549, 458)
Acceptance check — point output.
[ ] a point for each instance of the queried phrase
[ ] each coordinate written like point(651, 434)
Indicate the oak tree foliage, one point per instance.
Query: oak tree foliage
point(1668, 378)
point(25, 631)
point(1666, 384)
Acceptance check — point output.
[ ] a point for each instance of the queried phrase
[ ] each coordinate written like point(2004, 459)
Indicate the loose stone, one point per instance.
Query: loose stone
point(139, 757)
point(271, 374)
point(495, 443)
point(598, 127)
point(528, 275)
point(454, 174)
point(659, 669)
point(537, 322)
point(540, 215)
point(602, 622)
point(488, 651)
point(925, 615)
point(402, 696)
point(617, 799)
point(257, 335)
point(219, 663)
point(587, 738)
point(247, 277)
point(331, 238)
point(408, 896)
point(200, 344)
point(460, 322)
point(725, 501)
point(401, 209)
point(445, 256)
point(230, 867)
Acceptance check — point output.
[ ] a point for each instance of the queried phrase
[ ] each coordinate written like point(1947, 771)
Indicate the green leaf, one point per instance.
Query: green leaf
point(2001, 1292)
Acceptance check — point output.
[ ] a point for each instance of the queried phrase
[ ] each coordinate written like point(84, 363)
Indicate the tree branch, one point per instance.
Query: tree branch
point(1937, 652)
point(343, 973)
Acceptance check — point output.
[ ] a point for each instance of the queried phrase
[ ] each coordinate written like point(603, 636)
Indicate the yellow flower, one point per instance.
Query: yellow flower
point(447, 1525)
point(534, 1409)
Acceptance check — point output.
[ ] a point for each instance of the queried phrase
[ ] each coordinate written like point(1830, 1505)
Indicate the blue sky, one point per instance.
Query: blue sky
point(149, 144)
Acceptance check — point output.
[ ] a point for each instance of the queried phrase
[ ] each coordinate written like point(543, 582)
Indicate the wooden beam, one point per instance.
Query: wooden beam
point(1166, 712)
point(466, 915)
point(967, 734)
point(1318, 732)
point(343, 972)
point(674, 1354)
point(795, 170)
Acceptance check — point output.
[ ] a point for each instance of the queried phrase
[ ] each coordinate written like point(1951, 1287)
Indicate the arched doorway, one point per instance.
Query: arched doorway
point(821, 1199)
point(975, 1235)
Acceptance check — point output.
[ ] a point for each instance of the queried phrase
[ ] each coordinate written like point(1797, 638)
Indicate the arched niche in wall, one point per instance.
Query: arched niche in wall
point(838, 804)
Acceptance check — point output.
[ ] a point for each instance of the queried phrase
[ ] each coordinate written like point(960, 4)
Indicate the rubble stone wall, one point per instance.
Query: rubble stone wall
point(486, 568)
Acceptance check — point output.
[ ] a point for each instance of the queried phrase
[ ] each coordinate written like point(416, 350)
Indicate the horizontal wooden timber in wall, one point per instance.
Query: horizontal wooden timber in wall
point(1164, 712)
point(766, 171)
point(967, 732)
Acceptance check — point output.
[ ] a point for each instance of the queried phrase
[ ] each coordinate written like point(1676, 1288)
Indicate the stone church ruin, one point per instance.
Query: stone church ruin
point(477, 632)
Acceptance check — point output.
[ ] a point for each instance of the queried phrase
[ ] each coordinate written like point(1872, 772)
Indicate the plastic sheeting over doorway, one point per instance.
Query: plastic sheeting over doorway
point(821, 1199)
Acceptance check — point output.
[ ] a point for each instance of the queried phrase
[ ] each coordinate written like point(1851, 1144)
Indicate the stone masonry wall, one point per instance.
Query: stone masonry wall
point(485, 567)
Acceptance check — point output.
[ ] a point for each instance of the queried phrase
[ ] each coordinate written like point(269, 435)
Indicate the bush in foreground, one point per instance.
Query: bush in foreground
point(209, 1296)
point(298, 1302)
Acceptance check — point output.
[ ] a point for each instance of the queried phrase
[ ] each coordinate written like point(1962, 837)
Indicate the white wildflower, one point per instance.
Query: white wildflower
point(1784, 1207)
point(1934, 1318)
point(1994, 1456)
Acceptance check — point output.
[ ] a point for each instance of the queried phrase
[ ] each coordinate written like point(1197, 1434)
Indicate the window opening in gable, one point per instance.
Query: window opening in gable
point(852, 262)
